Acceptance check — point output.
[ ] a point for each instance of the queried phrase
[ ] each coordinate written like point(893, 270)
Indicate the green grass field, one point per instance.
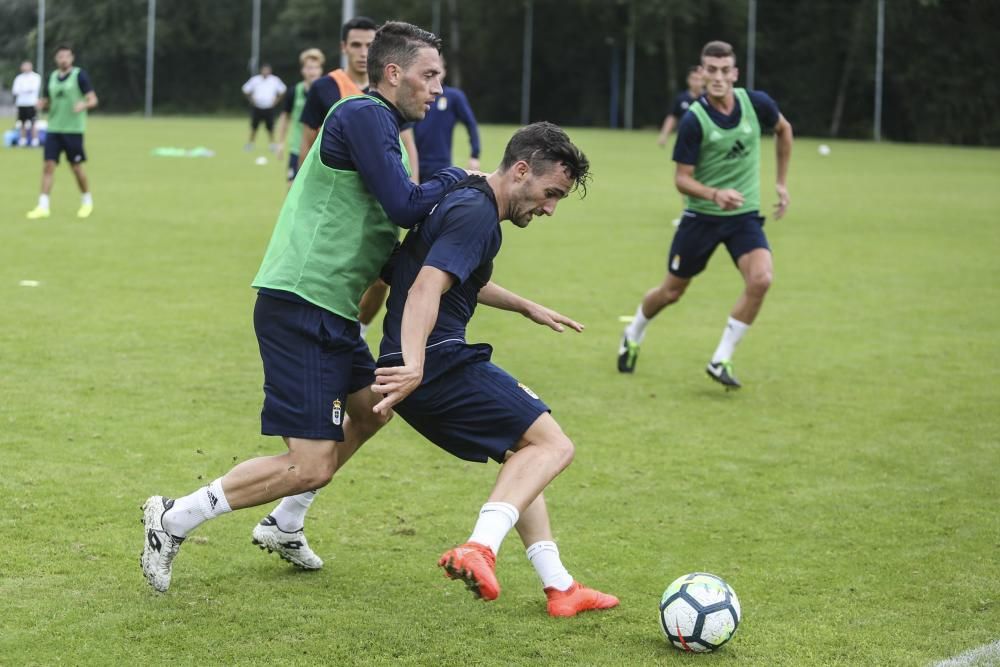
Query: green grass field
point(849, 493)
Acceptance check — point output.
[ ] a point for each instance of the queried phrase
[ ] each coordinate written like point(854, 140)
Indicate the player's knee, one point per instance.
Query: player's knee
point(562, 450)
point(315, 475)
point(672, 294)
point(759, 282)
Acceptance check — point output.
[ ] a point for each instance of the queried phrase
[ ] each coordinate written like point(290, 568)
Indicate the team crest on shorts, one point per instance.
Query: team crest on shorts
point(676, 263)
point(527, 390)
point(337, 414)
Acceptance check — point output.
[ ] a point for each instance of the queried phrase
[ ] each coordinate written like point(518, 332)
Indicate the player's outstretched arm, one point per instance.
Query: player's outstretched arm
point(419, 316)
point(783, 139)
point(494, 296)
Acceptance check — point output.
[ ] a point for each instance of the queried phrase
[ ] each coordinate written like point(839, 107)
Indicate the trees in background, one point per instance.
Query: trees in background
point(816, 57)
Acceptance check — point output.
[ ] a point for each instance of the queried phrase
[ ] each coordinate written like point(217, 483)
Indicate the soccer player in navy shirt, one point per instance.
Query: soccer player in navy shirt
point(450, 392)
point(684, 99)
point(434, 133)
point(718, 169)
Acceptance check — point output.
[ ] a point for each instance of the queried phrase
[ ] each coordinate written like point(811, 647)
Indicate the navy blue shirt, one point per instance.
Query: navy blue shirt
point(688, 145)
point(433, 134)
point(681, 104)
point(82, 80)
point(462, 234)
point(363, 136)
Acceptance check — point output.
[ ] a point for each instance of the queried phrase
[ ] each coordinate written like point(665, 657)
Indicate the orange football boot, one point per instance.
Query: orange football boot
point(577, 598)
point(474, 564)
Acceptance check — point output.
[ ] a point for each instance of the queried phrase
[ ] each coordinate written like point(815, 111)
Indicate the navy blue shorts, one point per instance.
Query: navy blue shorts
point(293, 165)
point(61, 142)
point(474, 411)
point(699, 235)
point(313, 360)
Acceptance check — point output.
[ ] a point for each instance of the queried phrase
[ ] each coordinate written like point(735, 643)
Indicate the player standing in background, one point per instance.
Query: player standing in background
point(683, 100)
point(311, 61)
point(68, 96)
point(718, 168)
point(335, 231)
point(434, 133)
point(451, 392)
point(263, 91)
point(356, 38)
point(27, 85)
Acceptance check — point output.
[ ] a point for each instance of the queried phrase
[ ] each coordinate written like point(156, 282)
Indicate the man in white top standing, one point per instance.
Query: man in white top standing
point(26, 87)
point(264, 91)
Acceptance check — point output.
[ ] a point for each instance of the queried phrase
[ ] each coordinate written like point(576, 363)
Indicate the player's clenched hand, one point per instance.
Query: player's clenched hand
point(550, 318)
point(395, 383)
point(728, 200)
point(783, 201)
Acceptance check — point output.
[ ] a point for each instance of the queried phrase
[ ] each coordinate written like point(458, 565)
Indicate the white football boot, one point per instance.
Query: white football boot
point(159, 547)
point(292, 547)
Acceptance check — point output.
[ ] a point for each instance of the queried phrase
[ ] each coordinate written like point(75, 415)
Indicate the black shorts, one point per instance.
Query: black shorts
point(258, 116)
point(313, 360)
point(64, 142)
point(475, 410)
point(24, 114)
point(699, 235)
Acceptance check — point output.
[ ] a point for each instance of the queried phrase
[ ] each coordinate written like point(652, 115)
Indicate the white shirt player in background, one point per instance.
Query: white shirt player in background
point(263, 90)
point(27, 86)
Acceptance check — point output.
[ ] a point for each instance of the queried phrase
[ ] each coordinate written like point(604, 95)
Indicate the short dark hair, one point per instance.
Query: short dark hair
point(543, 145)
point(693, 68)
point(62, 47)
point(357, 23)
point(718, 49)
point(397, 42)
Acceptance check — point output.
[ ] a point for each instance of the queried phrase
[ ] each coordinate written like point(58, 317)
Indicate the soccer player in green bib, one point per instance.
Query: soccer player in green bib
point(68, 95)
point(718, 170)
point(311, 61)
point(336, 230)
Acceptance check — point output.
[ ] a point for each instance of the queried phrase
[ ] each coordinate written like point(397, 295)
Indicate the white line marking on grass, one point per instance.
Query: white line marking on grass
point(985, 655)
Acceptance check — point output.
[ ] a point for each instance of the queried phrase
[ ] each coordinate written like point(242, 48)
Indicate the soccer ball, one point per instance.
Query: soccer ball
point(824, 150)
point(699, 612)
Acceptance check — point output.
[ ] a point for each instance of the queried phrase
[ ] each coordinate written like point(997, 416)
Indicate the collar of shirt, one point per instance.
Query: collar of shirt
point(400, 121)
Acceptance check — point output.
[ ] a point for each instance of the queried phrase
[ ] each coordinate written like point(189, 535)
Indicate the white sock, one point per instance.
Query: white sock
point(545, 557)
point(43, 201)
point(364, 329)
point(85, 198)
point(731, 335)
point(290, 514)
point(495, 521)
point(195, 509)
point(636, 329)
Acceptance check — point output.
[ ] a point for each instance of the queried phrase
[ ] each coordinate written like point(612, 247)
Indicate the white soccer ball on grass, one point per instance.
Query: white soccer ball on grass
point(699, 612)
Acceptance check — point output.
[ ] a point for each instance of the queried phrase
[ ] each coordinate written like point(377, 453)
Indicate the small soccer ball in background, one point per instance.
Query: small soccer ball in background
point(824, 150)
point(699, 612)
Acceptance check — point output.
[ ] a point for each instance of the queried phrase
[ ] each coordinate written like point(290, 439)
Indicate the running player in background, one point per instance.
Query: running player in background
point(718, 169)
point(434, 133)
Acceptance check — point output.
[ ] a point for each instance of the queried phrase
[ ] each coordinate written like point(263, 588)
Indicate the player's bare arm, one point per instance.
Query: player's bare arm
point(727, 199)
point(419, 316)
point(783, 139)
point(89, 102)
point(410, 143)
point(495, 296)
point(309, 135)
point(281, 133)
